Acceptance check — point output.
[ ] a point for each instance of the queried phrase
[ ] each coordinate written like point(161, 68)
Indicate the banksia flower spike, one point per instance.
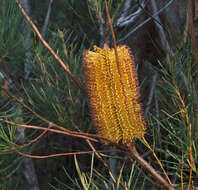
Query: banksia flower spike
point(113, 94)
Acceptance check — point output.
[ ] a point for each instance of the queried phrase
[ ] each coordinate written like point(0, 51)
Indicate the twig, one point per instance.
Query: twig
point(28, 44)
point(101, 23)
point(92, 137)
point(189, 21)
point(159, 162)
point(116, 56)
point(126, 8)
point(44, 28)
point(126, 20)
point(97, 154)
point(140, 169)
point(185, 115)
point(113, 35)
point(52, 155)
point(95, 151)
point(65, 132)
point(47, 18)
point(43, 32)
point(114, 45)
point(102, 31)
point(191, 162)
point(147, 20)
point(48, 47)
point(190, 30)
point(146, 165)
point(49, 123)
point(161, 31)
point(15, 169)
point(132, 147)
point(29, 143)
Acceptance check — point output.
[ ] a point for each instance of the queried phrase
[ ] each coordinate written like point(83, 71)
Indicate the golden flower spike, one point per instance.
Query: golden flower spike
point(113, 94)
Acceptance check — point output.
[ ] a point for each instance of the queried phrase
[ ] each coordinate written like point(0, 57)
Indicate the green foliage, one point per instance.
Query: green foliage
point(12, 50)
point(175, 130)
point(95, 180)
point(50, 93)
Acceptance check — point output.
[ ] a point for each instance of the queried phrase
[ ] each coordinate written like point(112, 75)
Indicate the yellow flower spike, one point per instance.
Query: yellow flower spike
point(114, 95)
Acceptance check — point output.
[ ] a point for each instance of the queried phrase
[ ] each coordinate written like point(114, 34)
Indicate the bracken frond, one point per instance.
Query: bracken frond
point(114, 94)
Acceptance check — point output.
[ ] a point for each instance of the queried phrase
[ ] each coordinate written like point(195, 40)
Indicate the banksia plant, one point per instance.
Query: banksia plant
point(112, 87)
point(113, 94)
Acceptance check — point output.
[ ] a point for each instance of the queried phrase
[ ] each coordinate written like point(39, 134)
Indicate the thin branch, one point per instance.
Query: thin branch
point(191, 163)
point(101, 29)
point(159, 162)
point(147, 166)
point(125, 20)
point(30, 110)
point(67, 132)
point(113, 35)
point(29, 143)
point(126, 8)
point(114, 44)
point(147, 20)
point(53, 155)
point(48, 47)
point(15, 169)
point(190, 31)
point(189, 28)
point(43, 32)
point(93, 137)
point(47, 18)
point(131, 146)
point(28, 40)
point(101, 23)
point(161, 31)
point(44, 28)
point(96, 152)
point(185, 115)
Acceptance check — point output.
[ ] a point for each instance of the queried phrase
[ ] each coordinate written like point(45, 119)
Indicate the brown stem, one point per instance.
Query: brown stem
point(48, 46)
point(51, 124)
point(146, 165)
point(113, 35)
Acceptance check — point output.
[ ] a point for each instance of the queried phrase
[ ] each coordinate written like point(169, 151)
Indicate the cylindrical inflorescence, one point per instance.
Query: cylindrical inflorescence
point(113, 94)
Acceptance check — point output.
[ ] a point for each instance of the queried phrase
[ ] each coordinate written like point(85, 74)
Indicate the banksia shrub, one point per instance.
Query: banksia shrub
point(113, 94)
